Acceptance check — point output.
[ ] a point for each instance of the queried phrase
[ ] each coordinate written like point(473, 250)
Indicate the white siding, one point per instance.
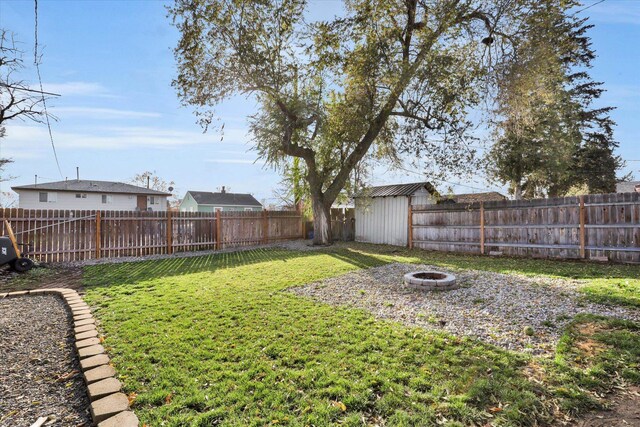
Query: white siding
point(384, 220)
point(422, 197)
point(29, 199)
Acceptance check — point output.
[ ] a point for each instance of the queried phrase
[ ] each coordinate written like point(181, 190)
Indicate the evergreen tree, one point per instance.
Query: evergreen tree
point(551, 137)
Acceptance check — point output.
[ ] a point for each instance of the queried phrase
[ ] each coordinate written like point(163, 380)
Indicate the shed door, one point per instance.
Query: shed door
point(142, 203)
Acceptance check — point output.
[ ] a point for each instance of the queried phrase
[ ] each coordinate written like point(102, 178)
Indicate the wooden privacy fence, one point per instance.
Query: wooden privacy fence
point(343, 222)
point(65, 235)
point(589, 227)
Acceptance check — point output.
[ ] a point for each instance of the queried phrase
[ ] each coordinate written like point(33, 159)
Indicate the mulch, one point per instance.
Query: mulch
point(40, 369)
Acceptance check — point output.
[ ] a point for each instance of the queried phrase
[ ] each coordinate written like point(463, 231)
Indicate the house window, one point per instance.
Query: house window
point(248, 209)
point(47, 197)
point(81, 195)
point(154, 200)
point(107, 199)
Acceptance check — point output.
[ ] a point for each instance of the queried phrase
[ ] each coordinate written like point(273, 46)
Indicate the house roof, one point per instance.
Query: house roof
point(91, 186)
point(224, 199)
point(398, 190)
point(491, 196)
point(627, 187)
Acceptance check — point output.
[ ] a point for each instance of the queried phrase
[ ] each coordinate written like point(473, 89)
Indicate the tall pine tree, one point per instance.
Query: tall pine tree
point(550, 136)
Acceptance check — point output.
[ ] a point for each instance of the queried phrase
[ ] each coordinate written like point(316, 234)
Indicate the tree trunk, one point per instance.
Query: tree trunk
point(517, 190)
point(321, 221)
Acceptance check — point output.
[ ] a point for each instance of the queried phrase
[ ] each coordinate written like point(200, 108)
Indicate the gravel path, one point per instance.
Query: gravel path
point(513, 312)
point(38, 367)
point(293, 245)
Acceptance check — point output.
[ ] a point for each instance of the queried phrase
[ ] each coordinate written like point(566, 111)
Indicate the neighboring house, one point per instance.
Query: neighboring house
point(90, 195)
point(382, 212)
point(628, 187)
point(206, 201)
point(492, 196)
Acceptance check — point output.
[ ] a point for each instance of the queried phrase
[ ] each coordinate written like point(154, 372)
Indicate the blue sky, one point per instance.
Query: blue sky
point(112, 62)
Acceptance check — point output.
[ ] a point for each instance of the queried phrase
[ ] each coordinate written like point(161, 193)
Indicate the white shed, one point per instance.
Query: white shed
point(382, 213)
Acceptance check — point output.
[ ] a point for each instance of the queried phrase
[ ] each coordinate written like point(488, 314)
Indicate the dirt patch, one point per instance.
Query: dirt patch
point(625, 411)
point(590, 328)
point(535, 372)
point(589, 347)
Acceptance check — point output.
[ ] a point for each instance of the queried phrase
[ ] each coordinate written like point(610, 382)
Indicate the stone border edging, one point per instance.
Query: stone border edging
point(109, 406)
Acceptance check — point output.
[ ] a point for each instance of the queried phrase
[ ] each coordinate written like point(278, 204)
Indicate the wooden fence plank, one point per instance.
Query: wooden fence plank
point(570, 227)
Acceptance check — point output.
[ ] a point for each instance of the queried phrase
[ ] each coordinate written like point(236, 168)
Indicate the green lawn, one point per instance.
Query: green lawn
point(214, 340)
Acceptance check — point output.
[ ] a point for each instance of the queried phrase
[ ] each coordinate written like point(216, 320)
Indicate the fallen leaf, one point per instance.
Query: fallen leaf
point(340, 405)
point(132, 397)
point(495, 409)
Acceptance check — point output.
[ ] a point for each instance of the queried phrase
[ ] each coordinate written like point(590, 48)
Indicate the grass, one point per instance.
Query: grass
point(215, 340)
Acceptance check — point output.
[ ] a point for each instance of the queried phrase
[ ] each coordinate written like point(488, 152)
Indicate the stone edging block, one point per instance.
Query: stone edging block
point(109, 406)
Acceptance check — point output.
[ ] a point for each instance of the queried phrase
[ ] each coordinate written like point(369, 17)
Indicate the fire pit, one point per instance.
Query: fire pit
point(430, 281)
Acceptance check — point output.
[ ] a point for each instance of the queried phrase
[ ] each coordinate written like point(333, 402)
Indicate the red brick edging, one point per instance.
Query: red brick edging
point(109, 406)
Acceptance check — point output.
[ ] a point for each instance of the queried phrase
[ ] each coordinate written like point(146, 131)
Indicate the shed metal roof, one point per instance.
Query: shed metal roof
point(224, 199)
point(398, 190)
point(91, 186)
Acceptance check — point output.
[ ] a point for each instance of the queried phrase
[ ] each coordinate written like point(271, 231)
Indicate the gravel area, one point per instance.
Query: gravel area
point(294, 245)
point(40, 370)
point(513, 312)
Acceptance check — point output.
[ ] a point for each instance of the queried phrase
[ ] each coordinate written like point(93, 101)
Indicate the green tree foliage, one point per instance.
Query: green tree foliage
point(551, 137)
point(389, 78)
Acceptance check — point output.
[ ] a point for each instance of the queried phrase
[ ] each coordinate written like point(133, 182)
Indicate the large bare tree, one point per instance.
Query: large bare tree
point(18, 101)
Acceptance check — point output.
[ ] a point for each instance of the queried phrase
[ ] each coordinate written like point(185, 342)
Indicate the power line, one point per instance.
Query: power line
point(588, 7)
point(442, 180)
point(24, 89)
point(44, 102)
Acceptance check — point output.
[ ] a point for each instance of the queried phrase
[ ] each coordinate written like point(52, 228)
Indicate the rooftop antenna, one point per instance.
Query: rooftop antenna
point(36, 179)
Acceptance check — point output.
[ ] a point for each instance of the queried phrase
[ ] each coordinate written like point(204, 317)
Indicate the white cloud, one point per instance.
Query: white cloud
point(236, 161)
point(78, 89)
point(101, 113)
point(30, 137)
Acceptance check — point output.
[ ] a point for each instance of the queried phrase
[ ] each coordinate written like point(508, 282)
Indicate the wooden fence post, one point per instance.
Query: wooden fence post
point(482, 228)
point(218, 230)
point(98, 233)
point(301, 224)
point(169, 233)
point(12, 237)
point(582, 229)
point(265, 227)
point(410, 226)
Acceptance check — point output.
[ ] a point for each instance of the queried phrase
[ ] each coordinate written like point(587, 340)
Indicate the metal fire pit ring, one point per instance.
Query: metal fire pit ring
point(430, 281)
